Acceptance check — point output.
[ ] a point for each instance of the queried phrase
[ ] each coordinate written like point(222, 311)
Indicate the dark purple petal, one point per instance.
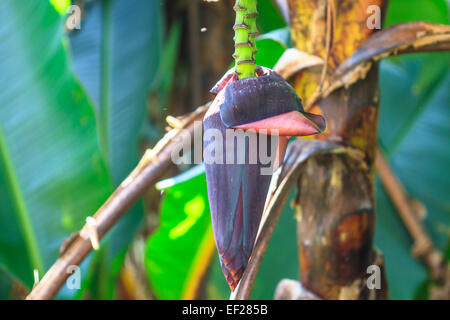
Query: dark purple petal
point(252, 99)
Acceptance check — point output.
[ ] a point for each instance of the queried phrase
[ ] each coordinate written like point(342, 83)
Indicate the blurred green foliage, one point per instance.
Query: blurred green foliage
point(414, 132)
point(52, 173)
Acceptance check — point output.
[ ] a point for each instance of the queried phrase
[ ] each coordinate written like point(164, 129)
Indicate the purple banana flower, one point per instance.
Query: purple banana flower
point(270, 107)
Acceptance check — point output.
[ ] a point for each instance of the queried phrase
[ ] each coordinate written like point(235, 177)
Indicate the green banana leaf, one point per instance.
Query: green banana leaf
point(52, 172)
point(116, 55)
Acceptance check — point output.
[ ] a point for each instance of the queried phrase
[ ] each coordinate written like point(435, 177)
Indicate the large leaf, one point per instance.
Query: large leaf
point(179, 252)
point(116, 55)
point(415, 135)
point(52, 174)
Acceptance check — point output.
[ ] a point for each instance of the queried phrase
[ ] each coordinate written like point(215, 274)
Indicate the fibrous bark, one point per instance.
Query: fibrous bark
point(335, 203)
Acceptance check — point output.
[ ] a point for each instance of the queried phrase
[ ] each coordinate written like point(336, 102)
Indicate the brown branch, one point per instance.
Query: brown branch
point(423, 247)
point(151, 167)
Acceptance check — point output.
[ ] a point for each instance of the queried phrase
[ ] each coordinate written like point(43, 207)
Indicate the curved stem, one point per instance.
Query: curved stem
point(245, 31)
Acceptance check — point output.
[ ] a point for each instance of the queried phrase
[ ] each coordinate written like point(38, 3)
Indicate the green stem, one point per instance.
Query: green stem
point(245, 31)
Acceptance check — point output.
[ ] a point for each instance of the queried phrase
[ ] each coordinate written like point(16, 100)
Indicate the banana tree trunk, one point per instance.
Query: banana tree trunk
point(336, 194)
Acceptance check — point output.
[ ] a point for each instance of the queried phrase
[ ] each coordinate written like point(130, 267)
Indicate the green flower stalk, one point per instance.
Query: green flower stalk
point(244, 38)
